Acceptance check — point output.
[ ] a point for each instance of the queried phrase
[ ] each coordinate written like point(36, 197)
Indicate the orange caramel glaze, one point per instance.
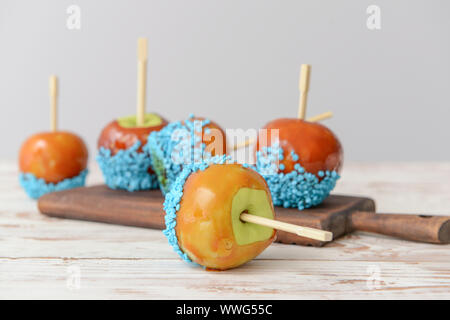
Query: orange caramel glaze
point(209, 139)
point(115, 137)
point(53, 156)
point(316, 145)
point(204, 228)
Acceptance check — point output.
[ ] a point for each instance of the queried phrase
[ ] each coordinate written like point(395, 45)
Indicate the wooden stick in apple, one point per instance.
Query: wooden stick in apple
point(306, 232)
point(235, 222)
point(48, 158)
point(123, 138)
point(53, 92)
point(315, 147)
point(305, 72)
point(320, 117)
point(141, 81)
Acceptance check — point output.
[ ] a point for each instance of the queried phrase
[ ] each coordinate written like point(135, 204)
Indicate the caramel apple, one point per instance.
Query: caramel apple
point(182, 143)
point(220, 215)
point(309, 144)
point(212, 135)
point(203, 215)
point(124, 132)
point(124, 163)
point(122, 159)
point(52, 161)
point(299, 159)
point(53, 156)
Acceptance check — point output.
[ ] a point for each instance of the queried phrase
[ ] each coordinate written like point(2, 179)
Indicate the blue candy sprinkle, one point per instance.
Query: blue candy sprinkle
point(173, 198)
point(35, 188)
point(173, 147)
point(127, 169)
point(294, 156)
point(296, 189)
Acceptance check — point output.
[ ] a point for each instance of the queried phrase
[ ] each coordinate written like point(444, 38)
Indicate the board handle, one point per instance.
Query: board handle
point(422, 228)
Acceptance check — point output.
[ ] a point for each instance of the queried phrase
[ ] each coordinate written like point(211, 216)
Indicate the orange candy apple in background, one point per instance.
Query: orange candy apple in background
point(121, 143)
point(181, 143)
point(123, 133)
point(317, 147)
point(53, 156)
point(56, 155)
point(213, 136)
point(208, 225)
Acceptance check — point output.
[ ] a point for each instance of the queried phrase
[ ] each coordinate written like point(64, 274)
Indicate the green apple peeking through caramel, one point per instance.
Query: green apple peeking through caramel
point(123, 133)
point(150, 120)
point(254, 202)
point(208, 227)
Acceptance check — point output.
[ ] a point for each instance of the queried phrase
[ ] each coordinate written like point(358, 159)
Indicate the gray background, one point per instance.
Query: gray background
point(237, 62)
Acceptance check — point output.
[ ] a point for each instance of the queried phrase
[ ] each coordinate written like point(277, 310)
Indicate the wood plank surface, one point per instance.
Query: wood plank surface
point(41, 256)
point(145, 209)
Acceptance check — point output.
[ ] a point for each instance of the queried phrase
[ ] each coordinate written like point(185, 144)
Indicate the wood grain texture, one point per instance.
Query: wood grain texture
point(101, 204)
point(37, 252)
point(424, 228)
point(337, 214)
point(145, 209)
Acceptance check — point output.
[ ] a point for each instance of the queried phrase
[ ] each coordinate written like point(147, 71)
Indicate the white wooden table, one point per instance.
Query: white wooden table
point(43, 257)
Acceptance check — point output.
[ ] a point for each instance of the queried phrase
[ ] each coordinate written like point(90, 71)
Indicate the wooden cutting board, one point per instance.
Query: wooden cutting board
point(338, 214)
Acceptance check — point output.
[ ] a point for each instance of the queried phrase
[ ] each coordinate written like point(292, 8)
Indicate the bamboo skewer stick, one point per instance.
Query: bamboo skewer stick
point(141, 81)
point(53, 92)
point(244, 144)
point(305, 72)
point(311, 233)
point(319, 117)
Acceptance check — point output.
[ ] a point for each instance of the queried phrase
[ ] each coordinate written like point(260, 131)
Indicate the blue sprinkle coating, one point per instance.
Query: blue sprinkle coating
point(173, 198)
point(35, 188)
point(127, 169)
point(294, 156)
point(175, 146)
point(295, 189)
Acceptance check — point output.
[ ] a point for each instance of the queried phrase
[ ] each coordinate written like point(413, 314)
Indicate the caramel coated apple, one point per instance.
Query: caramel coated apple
point(53, 156)
point(317, 147)
point(123, 133)
point(213, 136)
point(208, 225)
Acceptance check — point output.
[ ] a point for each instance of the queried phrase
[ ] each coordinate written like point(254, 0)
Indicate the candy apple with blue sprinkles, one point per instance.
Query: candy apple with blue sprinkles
point(52, 161)
point(301, 165)
point(121, 157)
point(219, 215)
point(184, 142)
